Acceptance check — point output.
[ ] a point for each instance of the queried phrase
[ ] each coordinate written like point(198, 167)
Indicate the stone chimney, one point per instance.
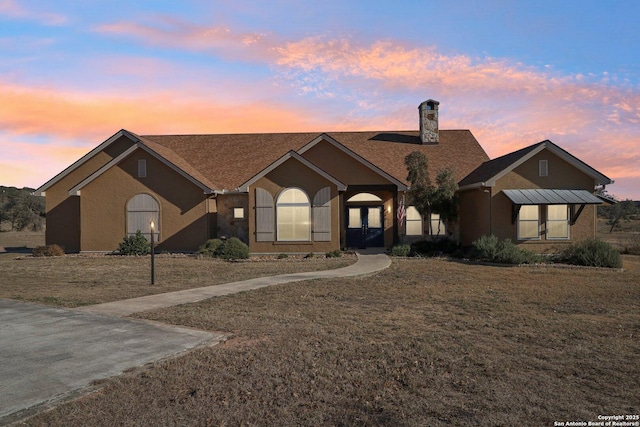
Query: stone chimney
point(429, 122)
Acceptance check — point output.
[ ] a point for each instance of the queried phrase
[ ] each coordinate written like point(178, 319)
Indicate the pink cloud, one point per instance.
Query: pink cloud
point(12, 9)
point(506, 104)
point(168, 31)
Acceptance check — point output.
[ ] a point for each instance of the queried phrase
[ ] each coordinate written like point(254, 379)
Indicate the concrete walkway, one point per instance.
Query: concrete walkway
point(49, 354)
point(368, 262)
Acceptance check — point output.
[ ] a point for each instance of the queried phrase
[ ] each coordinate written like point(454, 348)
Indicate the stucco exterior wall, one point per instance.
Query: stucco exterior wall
point(474, 217)
point(341, 166)
point(292, 173)
point(184, 221)
point(63, 210)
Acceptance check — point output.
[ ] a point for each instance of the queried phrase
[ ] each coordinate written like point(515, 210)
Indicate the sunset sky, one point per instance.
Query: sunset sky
point(72, 73)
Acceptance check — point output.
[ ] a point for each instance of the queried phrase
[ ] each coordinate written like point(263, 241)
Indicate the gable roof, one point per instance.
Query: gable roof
point(203, 183)
point(116, 136)
point(489, 172)
point(230, 160)
point(291, 155)
point(356, 157)
point(164, 154)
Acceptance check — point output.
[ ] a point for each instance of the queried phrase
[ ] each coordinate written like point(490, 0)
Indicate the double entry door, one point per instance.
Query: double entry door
point(365, 226)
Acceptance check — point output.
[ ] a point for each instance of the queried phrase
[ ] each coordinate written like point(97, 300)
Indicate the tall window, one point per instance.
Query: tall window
point(557, 222)
point(414, 222)
point(142, 168)
point(293, 212)
point(543, 168)
point(141, 210)
point(529, 222)
point(437, 225)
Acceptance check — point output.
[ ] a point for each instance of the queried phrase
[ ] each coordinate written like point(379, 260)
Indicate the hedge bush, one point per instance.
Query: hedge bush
point(592, 253)
point(49, 250)
point(401, 250)
point(134, 245)
point(233, 248)
point(492, 249)
point(230, 249)
point(210, 248)
point(435, 247)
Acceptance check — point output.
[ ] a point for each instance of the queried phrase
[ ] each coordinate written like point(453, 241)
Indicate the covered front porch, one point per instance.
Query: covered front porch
point(368, 218)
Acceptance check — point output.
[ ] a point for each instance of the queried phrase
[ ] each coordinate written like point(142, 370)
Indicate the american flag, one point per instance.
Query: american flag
point(402, 214)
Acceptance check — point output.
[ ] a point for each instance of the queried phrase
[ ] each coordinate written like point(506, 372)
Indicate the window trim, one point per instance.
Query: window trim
point(519, 236)
point(282, 205)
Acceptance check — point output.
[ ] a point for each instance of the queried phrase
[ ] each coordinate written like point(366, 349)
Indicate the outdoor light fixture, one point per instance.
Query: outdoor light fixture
point(153, 272)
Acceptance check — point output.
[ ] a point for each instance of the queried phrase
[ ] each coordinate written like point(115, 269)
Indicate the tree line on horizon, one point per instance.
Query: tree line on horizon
point(20, 210)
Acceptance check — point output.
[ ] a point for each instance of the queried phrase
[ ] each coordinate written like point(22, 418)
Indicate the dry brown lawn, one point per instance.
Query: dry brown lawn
point(425, 343)
point(74, 280)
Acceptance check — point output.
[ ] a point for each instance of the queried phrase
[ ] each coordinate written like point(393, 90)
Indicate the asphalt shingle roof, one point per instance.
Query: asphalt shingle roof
point(229, 160)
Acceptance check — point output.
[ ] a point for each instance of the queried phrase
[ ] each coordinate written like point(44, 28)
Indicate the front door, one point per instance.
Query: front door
point(365, 227)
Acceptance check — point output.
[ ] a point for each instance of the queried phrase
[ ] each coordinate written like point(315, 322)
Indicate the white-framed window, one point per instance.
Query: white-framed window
point(141, 210)
point(293, 213)
point(238, 213)
point(529, 222)
point(413, 221)
point(543, 167)
point(557, 222)
point(142, 168)
point(437, 225)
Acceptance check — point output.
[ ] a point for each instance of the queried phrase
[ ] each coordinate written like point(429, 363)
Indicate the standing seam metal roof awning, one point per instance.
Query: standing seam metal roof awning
point(551, 197)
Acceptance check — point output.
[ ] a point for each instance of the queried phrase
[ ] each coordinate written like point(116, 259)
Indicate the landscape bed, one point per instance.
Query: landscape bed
point(425, 342)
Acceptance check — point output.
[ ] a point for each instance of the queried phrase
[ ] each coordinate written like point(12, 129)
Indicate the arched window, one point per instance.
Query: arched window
point(293, 212)
point(141, 210)
point(364, 197)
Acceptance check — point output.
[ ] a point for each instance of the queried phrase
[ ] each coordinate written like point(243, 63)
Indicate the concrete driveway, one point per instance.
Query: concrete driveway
point(48, 354)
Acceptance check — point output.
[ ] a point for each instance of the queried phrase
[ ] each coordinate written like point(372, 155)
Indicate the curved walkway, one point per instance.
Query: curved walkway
point(369, 261)
point(51, 354)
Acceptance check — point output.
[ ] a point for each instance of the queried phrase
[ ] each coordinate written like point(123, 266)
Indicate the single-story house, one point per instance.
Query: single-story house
point(313, 192)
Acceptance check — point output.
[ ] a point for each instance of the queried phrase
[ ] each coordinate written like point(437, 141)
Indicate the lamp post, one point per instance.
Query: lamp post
point(153, 266)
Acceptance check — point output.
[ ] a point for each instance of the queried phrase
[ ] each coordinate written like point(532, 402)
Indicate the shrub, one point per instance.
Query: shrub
point(134, 245)
point(233, 248)
point(492, 249)
point(592, 253)
point(334, 254)
point(309, 255)
point(49, 250)
point(435, 247)
point(632, 245)
point(210, 248)
point(283, 256)
point(401, 250)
